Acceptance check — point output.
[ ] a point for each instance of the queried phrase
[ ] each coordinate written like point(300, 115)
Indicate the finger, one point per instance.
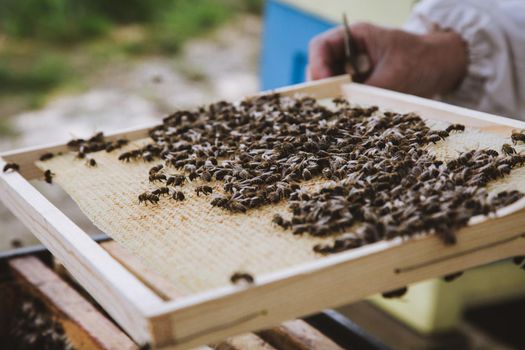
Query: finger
point(387, 77)
point(367, 40)
point(326, 53)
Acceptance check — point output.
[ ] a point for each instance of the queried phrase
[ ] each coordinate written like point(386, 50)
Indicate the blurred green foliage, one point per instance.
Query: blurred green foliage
point(52, 20)
point(6, 129)
point(55, 43)
point(43, 72)
point(184, 19)
point(67, 21)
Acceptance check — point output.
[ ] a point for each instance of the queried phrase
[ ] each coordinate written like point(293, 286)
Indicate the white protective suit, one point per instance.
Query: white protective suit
point(494, 31)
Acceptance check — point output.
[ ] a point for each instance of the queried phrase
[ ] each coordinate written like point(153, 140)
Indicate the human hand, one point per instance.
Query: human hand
point(423, 65)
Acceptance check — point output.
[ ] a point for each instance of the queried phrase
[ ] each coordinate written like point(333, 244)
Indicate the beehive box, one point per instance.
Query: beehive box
point(289, 283)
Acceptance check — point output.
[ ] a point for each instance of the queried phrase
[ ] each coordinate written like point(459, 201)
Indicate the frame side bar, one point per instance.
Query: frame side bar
point(435, 109)
point(323, 88)
point(121, 294)
point(26, 157)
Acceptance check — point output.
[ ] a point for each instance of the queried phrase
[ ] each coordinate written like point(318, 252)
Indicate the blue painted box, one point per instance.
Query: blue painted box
point(287, 31)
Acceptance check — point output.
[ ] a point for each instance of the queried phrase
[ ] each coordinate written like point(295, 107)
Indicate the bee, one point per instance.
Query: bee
point(307, 175)
point(76, 143)
point(241, 276)
point(327, 173)
point(91, 162)
point(447, 236)
point(443, 134)
point(157, 177)
point(340, 101)
point(255, 202)
point(517, 137)
point(121, 142)
point(206, 176)
point(504, 169)
point(48, 176)
point(517, 159)
point(339, 245)
point(175, 180)
point(455, 127)
point(148, 197)
point(492, 152)
point(161, 191)
point(279, 220)
point(110, 147)
point(220, 174)
point(128, 156)
point(12, 167)
point(508, 149)
point(272, 178)
point(219, 201)
point(148, 156)
point(46, 156)
point(433, 138)
point(156, 169)
point(396, 293)
point(16, 243)
point(206, 190)
point(98, 137)
point(451, 277)
point(237, 206)
point(518, 260)
point(178, 196)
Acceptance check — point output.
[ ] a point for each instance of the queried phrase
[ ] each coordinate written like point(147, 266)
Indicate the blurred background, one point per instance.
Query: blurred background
point(69, 68)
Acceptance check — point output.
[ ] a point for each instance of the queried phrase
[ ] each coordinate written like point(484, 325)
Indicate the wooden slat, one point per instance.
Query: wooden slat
point(298, 335)
point(248, 341)
point(84, 325)
point(326, 88)
point(431, 109)
point(122, 295)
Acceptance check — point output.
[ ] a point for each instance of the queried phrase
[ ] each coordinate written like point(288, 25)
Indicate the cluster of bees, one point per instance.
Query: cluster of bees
point(380, 174)
point(34, 327)
point(171, 188)
point(429, 195)
point(82, 147)
point(95, 143)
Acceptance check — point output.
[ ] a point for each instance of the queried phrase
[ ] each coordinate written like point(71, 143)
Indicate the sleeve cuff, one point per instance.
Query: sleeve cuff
point(477, 23)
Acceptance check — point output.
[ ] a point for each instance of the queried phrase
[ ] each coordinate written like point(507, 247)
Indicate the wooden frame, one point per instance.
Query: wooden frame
point(85, 326)
point(335, 280)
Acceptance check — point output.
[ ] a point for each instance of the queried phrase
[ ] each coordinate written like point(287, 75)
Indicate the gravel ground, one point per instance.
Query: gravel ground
point(221, 66)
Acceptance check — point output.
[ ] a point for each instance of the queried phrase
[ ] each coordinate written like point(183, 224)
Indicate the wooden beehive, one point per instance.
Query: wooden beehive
point(151, 314)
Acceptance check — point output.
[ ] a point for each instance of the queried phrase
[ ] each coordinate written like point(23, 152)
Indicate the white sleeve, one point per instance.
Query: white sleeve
point(494, 31)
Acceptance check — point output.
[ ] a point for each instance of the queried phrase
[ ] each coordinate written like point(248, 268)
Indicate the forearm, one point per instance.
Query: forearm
point(446, 51)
